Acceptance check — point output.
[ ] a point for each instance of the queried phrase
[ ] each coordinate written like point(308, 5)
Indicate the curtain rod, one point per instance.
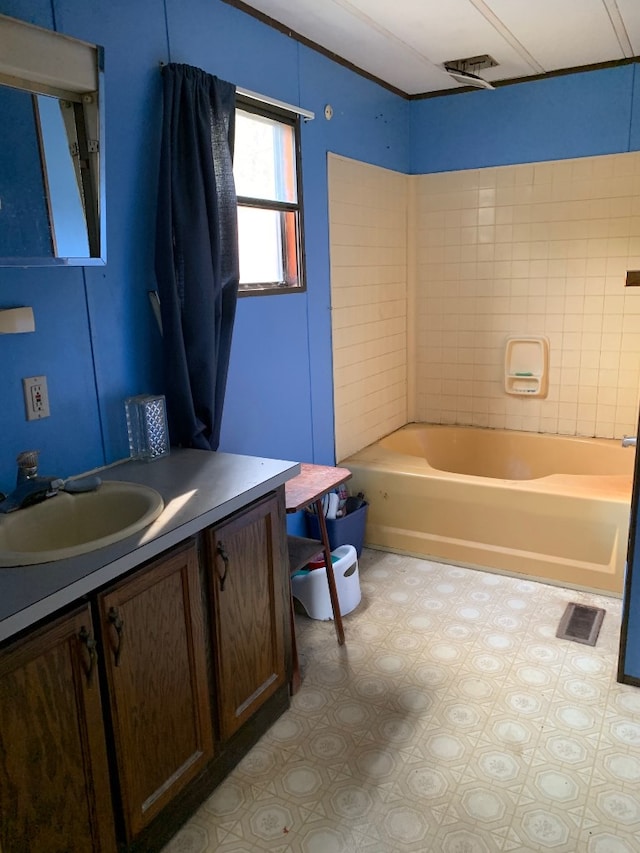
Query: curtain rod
point(307, 115)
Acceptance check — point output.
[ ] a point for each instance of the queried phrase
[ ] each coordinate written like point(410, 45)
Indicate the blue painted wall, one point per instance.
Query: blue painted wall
point(577, 115)
point(95, 336)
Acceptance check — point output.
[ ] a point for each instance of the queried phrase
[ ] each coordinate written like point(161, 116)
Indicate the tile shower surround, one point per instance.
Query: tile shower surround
point(533, 249)
point(452, 721)
point(369, 301)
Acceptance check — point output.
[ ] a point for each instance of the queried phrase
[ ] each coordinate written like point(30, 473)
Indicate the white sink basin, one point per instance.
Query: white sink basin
point(71, 524)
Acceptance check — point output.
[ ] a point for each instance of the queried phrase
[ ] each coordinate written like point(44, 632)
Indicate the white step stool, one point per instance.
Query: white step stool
point(311, 588)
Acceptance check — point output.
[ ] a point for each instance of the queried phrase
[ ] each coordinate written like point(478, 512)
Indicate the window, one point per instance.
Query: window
point(266, 168)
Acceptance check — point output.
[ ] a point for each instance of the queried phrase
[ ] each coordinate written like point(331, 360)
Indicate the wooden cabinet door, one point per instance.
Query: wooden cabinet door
point(249, 583)
point(54, 780)
point(156, 666)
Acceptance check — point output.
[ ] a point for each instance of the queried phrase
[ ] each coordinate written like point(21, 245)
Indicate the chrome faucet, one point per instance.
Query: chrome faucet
point(629, 440)
point(30, 487)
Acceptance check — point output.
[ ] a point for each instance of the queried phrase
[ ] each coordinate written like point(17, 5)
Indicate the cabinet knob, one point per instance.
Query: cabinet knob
point(118, 624)
point(225, 559)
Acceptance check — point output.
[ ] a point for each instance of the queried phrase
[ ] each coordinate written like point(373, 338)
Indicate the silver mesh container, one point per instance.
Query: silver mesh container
point(147, 426)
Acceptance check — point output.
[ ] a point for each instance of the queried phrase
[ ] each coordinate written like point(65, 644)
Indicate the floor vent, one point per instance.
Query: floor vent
point(581, 624)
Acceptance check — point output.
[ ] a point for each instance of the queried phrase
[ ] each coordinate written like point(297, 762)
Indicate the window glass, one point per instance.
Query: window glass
point(259, 232)
point(266, 169)
point(264, 159)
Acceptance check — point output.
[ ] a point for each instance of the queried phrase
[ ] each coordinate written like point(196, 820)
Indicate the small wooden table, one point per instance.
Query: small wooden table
point(306, 489)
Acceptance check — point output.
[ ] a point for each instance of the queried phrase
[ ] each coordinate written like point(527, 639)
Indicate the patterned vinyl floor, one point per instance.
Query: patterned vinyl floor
point(452, 721)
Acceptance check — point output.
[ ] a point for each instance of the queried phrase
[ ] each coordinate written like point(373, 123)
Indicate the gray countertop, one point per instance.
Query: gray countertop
point(199, 489)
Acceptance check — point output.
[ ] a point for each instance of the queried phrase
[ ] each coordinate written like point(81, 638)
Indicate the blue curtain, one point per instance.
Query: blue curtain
point(196, 250)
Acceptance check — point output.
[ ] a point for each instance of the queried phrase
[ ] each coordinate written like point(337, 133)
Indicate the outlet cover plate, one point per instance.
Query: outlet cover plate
point(36, 397)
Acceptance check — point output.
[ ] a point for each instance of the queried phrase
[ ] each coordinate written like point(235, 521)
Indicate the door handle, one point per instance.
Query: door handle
point(118, 625)
point(225, 559)
point(89, 642)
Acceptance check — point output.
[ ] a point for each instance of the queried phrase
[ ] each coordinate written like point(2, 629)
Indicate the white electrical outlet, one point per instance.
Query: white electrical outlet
point(36, 397)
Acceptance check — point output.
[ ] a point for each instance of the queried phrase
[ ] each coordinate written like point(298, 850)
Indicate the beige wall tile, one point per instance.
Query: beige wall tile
point(529, 249)
point(557, 241)
point(368, 209)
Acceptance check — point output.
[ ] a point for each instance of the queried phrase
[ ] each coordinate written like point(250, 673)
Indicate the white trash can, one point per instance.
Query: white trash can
point(311, 588)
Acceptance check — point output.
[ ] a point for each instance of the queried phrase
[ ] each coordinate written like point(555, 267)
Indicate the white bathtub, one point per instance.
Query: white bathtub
point(550, 507)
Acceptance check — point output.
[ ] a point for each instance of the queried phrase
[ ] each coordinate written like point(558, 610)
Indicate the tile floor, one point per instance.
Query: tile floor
point(453, 721)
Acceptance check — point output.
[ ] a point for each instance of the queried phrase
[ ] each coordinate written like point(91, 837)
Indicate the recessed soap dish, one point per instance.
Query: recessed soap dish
point(526, 366)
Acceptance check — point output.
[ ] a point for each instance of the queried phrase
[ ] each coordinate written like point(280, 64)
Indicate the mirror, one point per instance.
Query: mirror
point(51, 154)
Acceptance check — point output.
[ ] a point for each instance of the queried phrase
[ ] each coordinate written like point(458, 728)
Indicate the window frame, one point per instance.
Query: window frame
point(283, 116)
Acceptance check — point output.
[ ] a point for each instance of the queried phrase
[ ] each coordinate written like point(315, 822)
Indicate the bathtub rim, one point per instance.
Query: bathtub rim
point(617, 486)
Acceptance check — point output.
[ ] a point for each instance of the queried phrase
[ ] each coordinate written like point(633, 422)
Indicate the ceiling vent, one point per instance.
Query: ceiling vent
point(465, 71)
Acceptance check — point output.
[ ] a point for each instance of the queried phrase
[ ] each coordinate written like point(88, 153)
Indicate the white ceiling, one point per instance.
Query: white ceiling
point(405, 42)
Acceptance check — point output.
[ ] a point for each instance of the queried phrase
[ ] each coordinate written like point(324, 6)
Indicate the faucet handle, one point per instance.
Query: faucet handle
point(28, 458)
point(27, 464)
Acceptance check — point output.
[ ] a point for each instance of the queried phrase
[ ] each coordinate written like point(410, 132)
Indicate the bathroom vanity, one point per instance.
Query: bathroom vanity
point(133, 678)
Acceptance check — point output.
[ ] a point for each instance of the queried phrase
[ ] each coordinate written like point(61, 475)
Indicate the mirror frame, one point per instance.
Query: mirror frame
point(44, 62)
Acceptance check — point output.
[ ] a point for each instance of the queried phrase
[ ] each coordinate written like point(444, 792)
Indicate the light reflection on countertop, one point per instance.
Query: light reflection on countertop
point(167, 516)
